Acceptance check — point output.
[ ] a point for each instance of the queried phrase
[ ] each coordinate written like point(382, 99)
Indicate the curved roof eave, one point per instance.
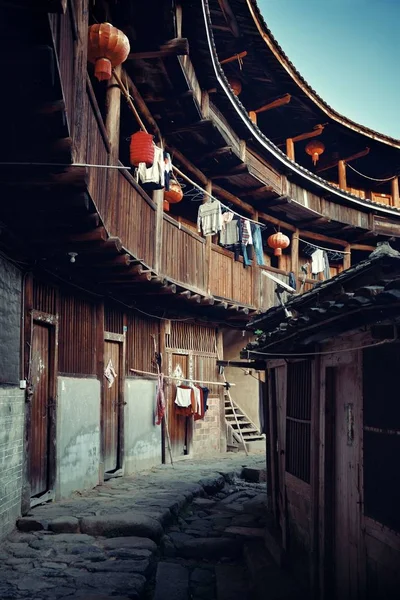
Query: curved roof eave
point(267, 144)
point(305, 87)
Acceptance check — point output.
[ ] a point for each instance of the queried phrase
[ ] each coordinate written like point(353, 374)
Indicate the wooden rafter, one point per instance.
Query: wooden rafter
point(175, 47)
point(229, 17)
point(274, 104)
point(236, 56)
point(334, 163)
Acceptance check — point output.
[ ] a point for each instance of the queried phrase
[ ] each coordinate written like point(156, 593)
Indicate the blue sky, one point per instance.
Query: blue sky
point(348, 51)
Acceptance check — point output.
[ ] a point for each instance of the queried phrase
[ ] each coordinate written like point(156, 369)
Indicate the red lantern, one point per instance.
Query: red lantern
point(142, 149)
point(314, 149)
point(236, 85)
point(166, 206)
point(278, 241)
point(174, 194)
point(107, 47)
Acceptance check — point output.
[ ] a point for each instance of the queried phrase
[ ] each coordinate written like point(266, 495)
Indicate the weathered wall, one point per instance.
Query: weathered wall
point(246, 392)
point(78, 434)
point(142, 438)
point(12, 406)
point(207, 431)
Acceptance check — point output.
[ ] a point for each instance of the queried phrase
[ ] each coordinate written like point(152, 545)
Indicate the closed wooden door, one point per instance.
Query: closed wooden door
point(180, 428)
point(39, 438)
point(347, 547)
point(112, 406)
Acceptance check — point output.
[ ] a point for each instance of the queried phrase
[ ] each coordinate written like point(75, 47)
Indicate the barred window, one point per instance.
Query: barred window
point(298, 420)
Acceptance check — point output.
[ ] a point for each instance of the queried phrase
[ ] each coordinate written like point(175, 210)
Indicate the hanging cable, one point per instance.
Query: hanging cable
point(328, 352)
point(371, 178)
point(322, 248)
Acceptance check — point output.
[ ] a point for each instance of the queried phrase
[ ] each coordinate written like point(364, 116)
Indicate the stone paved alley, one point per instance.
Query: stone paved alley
point(193, 531)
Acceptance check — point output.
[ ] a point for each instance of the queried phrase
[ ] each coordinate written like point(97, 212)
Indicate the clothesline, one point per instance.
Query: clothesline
point(170, 377)
point(371, 178)
point(213, 197)
point(322, 247)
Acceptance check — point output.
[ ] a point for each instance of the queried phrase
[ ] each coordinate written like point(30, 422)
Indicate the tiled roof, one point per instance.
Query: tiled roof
point(372, 286)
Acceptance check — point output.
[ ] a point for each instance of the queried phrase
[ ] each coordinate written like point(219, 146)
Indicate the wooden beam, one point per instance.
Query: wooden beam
point(178, 156)
point(175, 47)
point(334, 163)
point(318, 129)
point(230, 59)
point(274, 104)
point(256, 191)
point(290, 149)
point(295, 255)
point(215, 154)
point(238, 170)
point(342, 174)
point(229, 17)
point(322, 238)
point(141, 106)
point(395, 192)
point(363, 247)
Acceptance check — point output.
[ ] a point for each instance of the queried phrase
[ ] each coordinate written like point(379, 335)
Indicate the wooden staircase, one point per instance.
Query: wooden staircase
point(239, 426)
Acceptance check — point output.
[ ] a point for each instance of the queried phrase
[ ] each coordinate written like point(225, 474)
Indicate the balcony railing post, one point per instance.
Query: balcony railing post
point(395, 192)
point(295, 255)
point(158, 199)
point(208, 245)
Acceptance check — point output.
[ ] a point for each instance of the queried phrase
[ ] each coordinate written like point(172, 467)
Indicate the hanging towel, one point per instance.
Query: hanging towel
point(160, 399)
point(153, 178)
point(318, 262)
point(209, 218)
point(183, 397)
point(327, 271)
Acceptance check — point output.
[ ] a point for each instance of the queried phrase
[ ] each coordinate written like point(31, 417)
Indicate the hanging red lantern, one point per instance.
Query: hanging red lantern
point(108, 47)
point(236, 85)
point(174, 194)
point(278, 241)
point(166, 205)
point(142, 149)
point(315, 148)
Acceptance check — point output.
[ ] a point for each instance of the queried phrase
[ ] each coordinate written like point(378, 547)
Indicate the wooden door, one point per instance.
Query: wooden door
point(112, 404)
point(347, 544)
point(40, 418)
point(180, 428)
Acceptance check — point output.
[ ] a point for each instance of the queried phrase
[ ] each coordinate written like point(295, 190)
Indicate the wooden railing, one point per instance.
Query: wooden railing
point(229, 279)
point(183, 254)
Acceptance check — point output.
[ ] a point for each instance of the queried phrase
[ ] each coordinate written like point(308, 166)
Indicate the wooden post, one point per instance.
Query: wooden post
point(158, 198)
point(295, 255)
point(347, 257)
point(290, 148)
point(80, 70)
point(208, 248)
point(395, 192)
point(113, 108)
point(100, 377)
point(342, 175)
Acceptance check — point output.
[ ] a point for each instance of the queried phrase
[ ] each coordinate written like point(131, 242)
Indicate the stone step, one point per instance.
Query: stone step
point(172, 582)
point(231, 582)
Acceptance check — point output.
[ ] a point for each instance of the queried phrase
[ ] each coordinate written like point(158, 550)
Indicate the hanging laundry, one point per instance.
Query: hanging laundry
point(160, 399)
point(318, 262)
point(209, 218)
point(229, 233)
point(197, 397)
point(168, 170)
point(205, 391)
point(110, 373)
point(257, 243)
point(153, 178)
point(227, 217)
point(184, 401)
point(327, 271)
point(244, 238)
point(292, 280)
point(246, 232)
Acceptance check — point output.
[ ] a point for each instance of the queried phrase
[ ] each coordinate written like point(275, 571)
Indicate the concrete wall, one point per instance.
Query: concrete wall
point(142, 438)
point(12, 411)
point(246, 392)
point(78, 435)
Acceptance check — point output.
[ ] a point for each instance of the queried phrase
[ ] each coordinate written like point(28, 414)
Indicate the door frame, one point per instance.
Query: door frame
point(51, 322)
point(119, 338)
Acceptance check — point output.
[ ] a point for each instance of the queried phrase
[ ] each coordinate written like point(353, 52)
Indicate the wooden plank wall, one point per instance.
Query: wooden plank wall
point(183, 254)
point(139, 342)
point(77, 335)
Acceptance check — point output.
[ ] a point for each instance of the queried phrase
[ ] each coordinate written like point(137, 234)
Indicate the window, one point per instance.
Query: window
point(381, 368)
point(298, 420)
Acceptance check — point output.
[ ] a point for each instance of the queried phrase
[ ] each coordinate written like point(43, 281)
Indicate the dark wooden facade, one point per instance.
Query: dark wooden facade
point(334, 433)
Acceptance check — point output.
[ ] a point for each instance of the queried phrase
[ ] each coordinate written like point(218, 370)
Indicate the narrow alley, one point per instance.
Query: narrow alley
point(189, 531)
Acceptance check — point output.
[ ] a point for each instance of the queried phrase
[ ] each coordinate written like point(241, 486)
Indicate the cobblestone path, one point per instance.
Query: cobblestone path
point(165, 534)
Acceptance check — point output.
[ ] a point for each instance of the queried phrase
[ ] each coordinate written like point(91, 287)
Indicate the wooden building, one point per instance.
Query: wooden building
point(334, 427)
point(93, 268)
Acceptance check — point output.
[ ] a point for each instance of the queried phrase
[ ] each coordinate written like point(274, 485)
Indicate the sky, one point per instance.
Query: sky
point(348, 51)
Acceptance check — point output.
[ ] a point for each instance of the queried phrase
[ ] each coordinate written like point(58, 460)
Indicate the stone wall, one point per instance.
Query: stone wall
point(78, 435)
point(142, 438)
point(12, 407)
point(207, 431)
